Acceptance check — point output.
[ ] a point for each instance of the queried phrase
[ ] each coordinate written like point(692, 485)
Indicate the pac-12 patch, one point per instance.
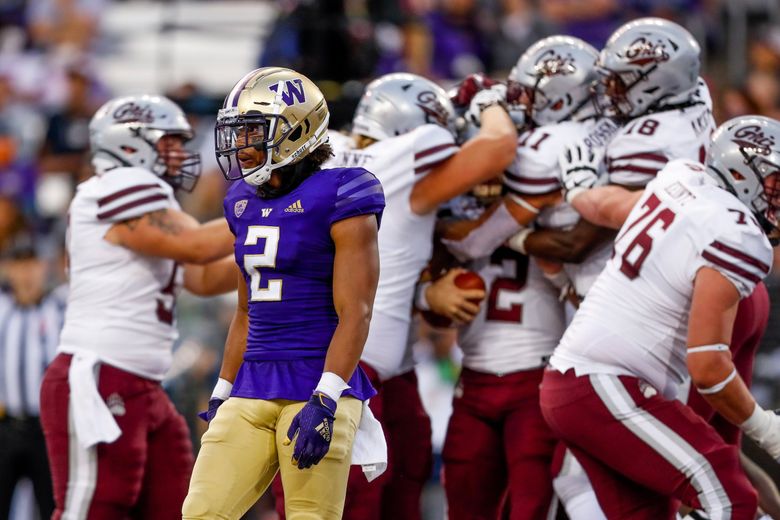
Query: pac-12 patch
point(239, 207)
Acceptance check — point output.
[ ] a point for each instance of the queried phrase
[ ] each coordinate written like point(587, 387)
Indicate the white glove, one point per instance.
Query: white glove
point(579, 170)
point(495, 95)
point(763, 426)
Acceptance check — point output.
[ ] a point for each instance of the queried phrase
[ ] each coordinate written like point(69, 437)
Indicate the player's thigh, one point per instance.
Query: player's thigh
point(168, 464)
point(474, 465)
point(319, 491)
point(236, 462)
point(408, 429)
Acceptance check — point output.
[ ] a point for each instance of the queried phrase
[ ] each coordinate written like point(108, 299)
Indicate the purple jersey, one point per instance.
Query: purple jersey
point(285, 252)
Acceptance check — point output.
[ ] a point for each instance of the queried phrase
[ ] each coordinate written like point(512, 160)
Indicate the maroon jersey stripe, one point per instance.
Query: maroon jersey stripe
point(131, 205)
point(531, 180)
point(720, 246)
point(731, 267)
point(127, 191)
point(644, 155)
point(433, 150)
point(429, 165)
point(634, 169)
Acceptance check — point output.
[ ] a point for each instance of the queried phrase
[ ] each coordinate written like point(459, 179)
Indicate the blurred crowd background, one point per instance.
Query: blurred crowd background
point(60, 59)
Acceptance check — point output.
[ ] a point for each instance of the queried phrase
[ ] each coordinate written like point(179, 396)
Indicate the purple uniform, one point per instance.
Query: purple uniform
point(285, 252)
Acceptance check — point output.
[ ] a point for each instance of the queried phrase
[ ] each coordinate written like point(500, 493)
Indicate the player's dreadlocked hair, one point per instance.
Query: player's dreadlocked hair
point(293, 175)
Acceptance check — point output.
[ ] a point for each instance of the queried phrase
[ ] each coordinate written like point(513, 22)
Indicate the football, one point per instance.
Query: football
point(466, 280)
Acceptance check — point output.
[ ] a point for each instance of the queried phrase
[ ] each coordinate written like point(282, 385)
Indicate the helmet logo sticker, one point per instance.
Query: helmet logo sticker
point(753, 139)
point(240, 206)
point(550, 63)
point(430, 104)
point(133, 113)
point(292, 89)
point(642, 51)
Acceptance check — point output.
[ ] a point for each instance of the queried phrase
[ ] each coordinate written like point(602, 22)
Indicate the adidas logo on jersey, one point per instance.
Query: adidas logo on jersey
point(295, 207)
point(266, 211)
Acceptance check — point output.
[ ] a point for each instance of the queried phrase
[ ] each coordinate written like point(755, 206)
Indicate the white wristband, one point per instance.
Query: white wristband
point(222, 389)
point(517, 241)
point(573, 193)
point(420, 300)
point(331, 385)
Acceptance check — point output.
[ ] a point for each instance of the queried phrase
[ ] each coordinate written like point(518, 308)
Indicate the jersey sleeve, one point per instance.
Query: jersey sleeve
point(127, 193)
point(359, 192)
point(635, 155)
point(432, 146)
point(741, 253)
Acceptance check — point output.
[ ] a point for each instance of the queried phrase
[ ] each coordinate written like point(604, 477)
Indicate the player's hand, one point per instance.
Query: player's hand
point(214, 403)
point(495, 95)
point(763, 427)
point(448, 300)
point(313, 426)
point(579, 170)
point(468, 88)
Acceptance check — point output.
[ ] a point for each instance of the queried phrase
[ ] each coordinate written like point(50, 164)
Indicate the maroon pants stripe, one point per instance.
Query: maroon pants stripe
point(642, 451)
point(143, 474)
point(498, 449)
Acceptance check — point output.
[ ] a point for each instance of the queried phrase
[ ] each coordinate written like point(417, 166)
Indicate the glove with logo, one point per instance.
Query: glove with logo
point(579, 170)
point(495, 95)
point(469, 87)
point(218, 396)
point(314, 427)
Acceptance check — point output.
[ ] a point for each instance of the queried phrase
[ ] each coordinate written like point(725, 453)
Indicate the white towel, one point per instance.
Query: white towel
point(92, 419)
point(370, 448)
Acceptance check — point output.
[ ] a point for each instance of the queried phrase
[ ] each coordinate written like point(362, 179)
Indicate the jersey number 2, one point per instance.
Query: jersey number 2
point(252, 263)
point(504, 300)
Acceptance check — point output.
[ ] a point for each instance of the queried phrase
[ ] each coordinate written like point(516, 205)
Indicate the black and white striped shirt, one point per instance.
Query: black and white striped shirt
point(28, 343)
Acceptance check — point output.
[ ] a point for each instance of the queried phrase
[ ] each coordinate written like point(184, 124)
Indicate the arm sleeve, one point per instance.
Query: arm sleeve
point(359, 192)
point(127, 193)
point(432, 146)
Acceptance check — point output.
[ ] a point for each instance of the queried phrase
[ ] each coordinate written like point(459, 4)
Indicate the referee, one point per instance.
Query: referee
point(30, 322)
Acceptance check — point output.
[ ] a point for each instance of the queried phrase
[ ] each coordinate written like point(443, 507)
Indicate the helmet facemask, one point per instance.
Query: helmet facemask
point(611, 94)
point(178, 167)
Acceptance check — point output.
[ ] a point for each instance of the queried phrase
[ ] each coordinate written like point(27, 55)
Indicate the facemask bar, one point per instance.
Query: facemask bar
point(234, 133)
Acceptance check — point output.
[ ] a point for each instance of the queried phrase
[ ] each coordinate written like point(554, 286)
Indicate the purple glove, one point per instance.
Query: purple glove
point(314, 427)
point(214, 403)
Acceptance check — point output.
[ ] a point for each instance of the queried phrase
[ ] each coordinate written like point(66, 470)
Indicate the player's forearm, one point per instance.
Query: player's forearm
point(211, 279)
point(235, 345)
point(348, 340)
point(209, 242)
point(607, 206)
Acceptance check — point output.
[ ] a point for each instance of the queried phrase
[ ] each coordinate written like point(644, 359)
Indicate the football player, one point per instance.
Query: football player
point(691, 245)
point(115, 442)
point(498, 450)
point(403, 130)
point(306, 246)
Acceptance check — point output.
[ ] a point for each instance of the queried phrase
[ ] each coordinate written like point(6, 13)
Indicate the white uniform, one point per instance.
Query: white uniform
point(520, 321)
point(635, 318)
point(645, 144)
point(536, 171)
point(405, 239)
point(120, 304)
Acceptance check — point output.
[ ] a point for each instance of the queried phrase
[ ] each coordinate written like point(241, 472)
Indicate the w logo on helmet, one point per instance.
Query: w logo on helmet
point(293, 88)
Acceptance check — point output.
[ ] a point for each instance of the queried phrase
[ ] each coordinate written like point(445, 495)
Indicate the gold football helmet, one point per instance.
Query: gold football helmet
point(273, 117)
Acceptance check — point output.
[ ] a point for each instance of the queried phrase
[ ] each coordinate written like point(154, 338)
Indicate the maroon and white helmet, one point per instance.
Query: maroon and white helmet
point(125, 131)
point(645, 64)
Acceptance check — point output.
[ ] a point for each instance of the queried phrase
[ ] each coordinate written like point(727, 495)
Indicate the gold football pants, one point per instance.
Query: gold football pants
point(243, 449)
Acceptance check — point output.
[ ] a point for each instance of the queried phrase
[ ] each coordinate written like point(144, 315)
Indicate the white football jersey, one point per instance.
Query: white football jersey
point(120, 303)
point(536, 171)
point(635, 318)
point(405, 239)
point(645, 144)
point(519, 322)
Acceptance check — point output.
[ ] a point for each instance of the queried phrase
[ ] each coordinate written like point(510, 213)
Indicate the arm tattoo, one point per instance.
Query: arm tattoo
point(162, 220)
point(132, 223)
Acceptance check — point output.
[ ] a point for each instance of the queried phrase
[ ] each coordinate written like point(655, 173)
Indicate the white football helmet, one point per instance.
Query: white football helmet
point(744, 158)
point(553, 79)
point(397, 103)
point(646, 64)
point(125, 132)
point(274, 111)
